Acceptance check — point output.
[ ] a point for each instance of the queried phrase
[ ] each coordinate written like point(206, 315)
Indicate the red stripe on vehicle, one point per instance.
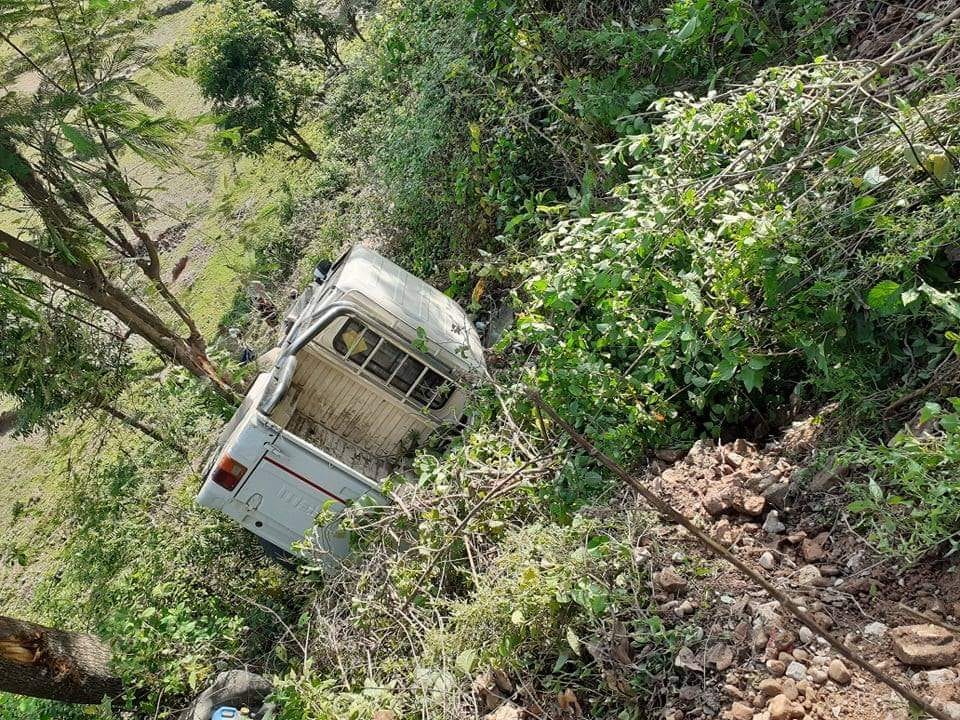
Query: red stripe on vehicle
point(309, 482)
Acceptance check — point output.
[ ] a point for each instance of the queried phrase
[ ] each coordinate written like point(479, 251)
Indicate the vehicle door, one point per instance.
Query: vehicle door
point(292, 485)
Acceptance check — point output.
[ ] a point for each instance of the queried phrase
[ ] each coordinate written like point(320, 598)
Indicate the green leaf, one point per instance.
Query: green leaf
point(517, 617)
point(929, 411)
point(573, 641)
point(561, 661)
point(689, 28)
point(662, 332)
point(859, 506)
point(466, 660)
point(81, 142)
point(862, 203)
point(726, 368)
point(884, 297)
point(752, 378)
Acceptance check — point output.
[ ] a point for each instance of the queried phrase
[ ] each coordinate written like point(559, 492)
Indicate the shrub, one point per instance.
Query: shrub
point(907, 500)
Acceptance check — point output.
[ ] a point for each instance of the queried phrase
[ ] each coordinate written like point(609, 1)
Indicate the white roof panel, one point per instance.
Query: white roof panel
point(389, 288)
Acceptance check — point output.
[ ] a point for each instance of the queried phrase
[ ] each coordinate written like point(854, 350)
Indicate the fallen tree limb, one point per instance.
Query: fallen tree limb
point(669, 513)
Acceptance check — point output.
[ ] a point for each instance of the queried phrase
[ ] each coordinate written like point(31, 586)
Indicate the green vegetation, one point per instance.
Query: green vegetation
point(907, 505)
point(129, 556)
point(704, 218)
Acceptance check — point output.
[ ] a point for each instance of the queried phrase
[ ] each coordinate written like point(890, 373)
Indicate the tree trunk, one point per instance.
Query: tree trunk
point(301, 146)
point(90, 281)
point(148, 257)
point(43, 662)
point(140, 426)
point(58, 221)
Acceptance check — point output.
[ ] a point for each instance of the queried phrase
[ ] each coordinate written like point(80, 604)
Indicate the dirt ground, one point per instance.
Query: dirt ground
point(790, 522)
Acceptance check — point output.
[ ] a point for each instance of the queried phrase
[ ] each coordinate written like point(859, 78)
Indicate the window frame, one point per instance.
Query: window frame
point(409, 354)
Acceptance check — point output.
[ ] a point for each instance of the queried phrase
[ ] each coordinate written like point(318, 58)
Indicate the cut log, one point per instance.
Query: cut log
point(44, 662)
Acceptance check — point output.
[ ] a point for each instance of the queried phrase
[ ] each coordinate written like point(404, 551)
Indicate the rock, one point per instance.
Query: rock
point(685, 608)
point(782, 638)
point(767, 561)
point(817, 676)
point(750, 504)
point(776, 668)
point(669, 581)
point(776, 494)
point(770, 688)
point(715, 502)
point(669, 455)
point(733, 459)
point(838, 672)
point(728, 689)
point(808, 575)
point(805, 634)
point(945, 676)
point(726, 533)
point(741, 711)
point(236, 688)
point(742, 634)
point(950, 708)
point(796, 670)
point(720, 656)
point(875, 631)
point(780, 708)
point(856, 586)
point(925, 645)
point(508, 711)
point(812, 550)
point(824, 619)
point(772, 523)
point(801, 655)
point(790, 688)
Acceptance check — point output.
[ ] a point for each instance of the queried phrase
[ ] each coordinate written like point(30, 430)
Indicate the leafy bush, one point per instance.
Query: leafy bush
point(908, 501)
point(244, 61)
point(464, 110)
point(708, 297)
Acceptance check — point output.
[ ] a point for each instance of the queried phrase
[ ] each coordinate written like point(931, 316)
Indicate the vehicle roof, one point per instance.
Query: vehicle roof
point(389, 288)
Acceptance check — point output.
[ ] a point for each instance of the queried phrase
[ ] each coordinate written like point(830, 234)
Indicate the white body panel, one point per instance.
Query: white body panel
point(326, 425)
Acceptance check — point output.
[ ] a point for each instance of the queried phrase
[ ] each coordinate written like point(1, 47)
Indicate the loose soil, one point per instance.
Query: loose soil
point(773, 509)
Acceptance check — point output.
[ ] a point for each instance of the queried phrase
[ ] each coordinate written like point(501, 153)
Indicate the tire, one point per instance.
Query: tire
point(277, 554)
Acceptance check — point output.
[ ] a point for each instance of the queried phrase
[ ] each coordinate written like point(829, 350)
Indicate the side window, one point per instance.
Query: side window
point(388, 362)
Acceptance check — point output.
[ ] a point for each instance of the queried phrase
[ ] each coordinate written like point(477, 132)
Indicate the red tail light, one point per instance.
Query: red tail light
point(228, 473)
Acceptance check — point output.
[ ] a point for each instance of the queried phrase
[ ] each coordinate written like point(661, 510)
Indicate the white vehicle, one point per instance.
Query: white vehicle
point(372, 363)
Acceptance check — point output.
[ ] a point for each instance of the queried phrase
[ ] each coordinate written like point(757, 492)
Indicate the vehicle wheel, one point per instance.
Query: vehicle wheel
point(277, 554)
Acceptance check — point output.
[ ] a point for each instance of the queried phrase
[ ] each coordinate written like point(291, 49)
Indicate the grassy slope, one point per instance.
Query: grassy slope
point(32, 470)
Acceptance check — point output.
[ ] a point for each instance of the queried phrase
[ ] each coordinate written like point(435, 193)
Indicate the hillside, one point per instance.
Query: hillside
point(724, 235)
